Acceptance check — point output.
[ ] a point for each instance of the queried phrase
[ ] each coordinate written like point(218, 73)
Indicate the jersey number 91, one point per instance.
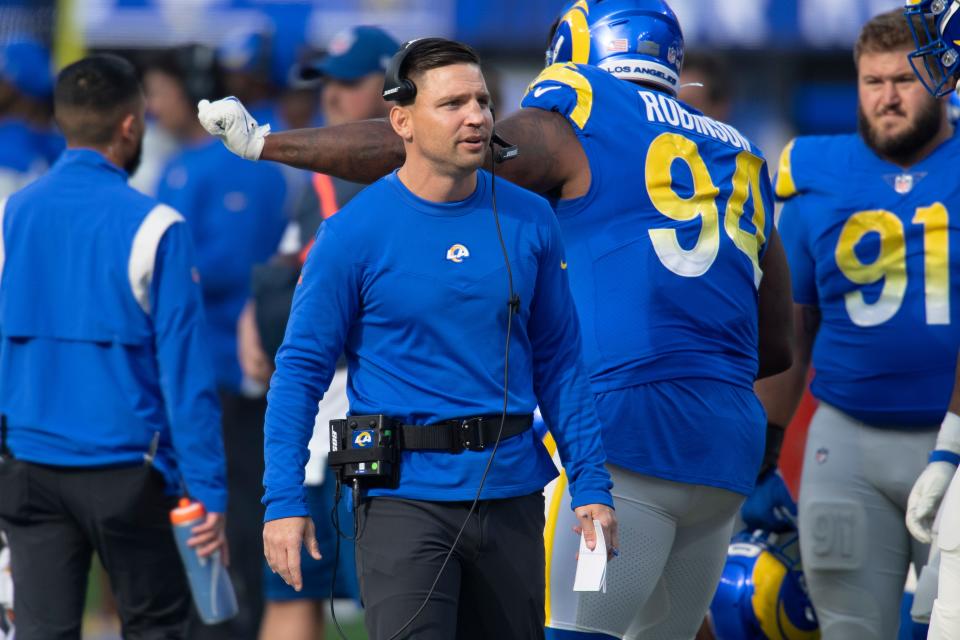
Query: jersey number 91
point(891, 264)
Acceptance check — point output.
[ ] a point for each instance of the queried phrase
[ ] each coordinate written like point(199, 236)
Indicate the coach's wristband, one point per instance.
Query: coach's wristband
point(940, 455)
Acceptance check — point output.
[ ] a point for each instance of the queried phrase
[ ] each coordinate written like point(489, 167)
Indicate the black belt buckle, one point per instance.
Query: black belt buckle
point(470, 434)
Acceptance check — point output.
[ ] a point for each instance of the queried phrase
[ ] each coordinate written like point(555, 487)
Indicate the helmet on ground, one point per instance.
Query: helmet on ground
point(762, 594)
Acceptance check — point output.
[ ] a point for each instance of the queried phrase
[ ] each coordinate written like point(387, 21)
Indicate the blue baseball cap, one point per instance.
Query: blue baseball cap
point(25, 64)
point(352, 54)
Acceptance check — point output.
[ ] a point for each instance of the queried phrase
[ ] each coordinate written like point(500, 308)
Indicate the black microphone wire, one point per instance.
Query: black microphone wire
point(335, 520)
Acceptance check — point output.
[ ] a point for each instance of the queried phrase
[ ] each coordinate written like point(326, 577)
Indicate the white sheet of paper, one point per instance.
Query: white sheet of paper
point(592, 565)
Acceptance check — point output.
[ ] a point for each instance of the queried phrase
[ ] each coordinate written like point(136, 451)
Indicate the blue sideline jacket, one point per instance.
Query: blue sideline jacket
point(102, 337)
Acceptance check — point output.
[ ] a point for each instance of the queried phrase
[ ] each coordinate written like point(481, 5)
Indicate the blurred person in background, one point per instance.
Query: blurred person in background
point(236, 212)
point(244, 60)
point(350, 78)
point(705, 84)
point(299, 103)
point(29, 145)
point(870, 231)
point(108, 403)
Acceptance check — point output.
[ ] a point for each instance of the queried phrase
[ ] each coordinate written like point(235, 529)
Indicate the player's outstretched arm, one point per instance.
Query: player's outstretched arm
point(359, 151)
point(551, 159)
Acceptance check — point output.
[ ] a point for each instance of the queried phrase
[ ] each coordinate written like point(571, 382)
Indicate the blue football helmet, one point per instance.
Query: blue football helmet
point(935, 25)
point(632, 39)
point(762, 594)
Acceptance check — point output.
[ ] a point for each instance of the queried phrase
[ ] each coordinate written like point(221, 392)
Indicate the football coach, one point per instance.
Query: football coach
point(450, 298)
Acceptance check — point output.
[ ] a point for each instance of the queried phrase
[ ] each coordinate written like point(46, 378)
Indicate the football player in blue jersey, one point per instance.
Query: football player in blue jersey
point(869, 225)
point(936, 29)
point(680, 283)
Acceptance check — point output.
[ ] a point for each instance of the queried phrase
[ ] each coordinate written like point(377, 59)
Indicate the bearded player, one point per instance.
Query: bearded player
point(869, 223)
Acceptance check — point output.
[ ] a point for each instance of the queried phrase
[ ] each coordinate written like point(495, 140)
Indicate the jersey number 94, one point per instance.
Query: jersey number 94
point(669, 147)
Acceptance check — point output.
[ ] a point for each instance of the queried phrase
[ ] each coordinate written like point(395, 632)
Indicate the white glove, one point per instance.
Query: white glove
point(930, 487)
point(230, 121)
point(925, 498)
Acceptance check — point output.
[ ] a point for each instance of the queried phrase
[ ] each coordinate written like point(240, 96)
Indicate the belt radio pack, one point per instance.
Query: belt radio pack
point(364, 450)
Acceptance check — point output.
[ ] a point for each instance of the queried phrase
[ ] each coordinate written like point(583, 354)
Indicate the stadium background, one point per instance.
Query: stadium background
point(789, 63)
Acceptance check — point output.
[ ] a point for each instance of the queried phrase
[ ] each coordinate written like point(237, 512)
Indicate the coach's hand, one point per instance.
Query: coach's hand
point(230, 121)
point(211, 536)
point(925, 499)
point(608, 520)
point(281, 546)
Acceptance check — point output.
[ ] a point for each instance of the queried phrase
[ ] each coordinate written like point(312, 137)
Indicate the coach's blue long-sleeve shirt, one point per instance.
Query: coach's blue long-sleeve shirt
point(102, 339)
point(416, 294)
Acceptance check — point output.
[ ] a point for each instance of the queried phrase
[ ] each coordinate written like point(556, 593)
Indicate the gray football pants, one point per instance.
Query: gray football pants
point(855, 546)
point(673, 545)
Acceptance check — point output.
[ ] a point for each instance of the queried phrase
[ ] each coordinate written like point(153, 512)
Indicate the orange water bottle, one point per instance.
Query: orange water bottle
point(209, 581)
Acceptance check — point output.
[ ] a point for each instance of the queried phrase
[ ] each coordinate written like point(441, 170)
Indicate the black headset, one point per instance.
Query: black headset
point(400, 89)
point(394, 87)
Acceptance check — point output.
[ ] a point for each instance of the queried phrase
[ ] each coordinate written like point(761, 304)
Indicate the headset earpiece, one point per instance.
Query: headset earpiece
point(394, 87)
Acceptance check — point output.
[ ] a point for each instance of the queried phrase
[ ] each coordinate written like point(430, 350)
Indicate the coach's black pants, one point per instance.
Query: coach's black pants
point(493, 586)
point(56, 517)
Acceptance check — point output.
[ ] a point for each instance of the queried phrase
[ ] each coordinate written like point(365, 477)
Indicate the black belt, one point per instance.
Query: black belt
point(458, 434)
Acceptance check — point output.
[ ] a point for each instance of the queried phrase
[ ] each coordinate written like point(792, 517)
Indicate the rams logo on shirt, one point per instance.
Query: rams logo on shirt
point(457, 253)
point(363, 439)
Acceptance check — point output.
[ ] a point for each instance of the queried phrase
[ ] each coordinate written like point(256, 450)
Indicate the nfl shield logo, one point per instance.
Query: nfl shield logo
point(821, 455)
point(903, 183)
